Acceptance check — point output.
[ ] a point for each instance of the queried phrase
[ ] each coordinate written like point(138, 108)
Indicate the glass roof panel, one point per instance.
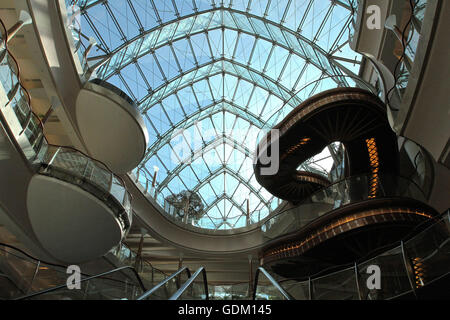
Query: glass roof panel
point(207, 75)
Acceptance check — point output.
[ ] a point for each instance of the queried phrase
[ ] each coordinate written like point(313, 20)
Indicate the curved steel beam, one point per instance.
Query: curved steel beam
point(217, 200)
point(208, 20)
point(204, 149)
point(213, 68)
point(186, 123)
point(234, 174)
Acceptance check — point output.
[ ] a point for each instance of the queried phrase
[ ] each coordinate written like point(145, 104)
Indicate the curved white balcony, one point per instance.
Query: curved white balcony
point(111, 126)
point(77, 208)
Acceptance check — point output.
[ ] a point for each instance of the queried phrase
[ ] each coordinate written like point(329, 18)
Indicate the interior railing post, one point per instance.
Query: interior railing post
point(36, 270)
point(53, 157)
point(357, 282)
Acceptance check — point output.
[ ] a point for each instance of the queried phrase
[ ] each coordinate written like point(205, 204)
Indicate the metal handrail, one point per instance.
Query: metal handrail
point(304, 201)
point(286, 295)
point(369, 88)
point(41, 125)
point(65, 267)
point(337, 269)
point(94, 160)
point(162, 283)
point(141, 284)
point(188, 283)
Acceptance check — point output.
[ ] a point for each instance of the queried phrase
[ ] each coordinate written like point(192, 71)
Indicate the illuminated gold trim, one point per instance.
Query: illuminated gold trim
point(321, 235)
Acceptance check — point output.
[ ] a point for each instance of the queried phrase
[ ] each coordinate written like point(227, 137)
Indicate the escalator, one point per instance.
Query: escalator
point(101, 287)
point(181, 285)
point(23, 277)
point(267, 288)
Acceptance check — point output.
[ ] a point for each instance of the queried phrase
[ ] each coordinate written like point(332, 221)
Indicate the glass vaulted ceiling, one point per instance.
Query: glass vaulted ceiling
point(206, 75)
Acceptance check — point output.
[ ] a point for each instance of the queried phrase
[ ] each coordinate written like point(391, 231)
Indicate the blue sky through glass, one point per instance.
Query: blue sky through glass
point(219, 70)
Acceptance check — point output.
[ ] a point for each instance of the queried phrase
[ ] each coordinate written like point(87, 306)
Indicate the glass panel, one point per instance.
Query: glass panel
point(351, 190)
point(218, 62)
point(394, 276)
point(341, 285)
point(8, 74)
point(428, 253)
point(169, 287)
point(298, 290)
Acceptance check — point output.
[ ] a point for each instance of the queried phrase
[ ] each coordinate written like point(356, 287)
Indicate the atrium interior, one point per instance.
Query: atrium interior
point(225, 149)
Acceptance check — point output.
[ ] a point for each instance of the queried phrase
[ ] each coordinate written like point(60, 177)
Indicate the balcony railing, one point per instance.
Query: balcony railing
point(142, 177)
point(408, 36)
point(145, 269)
point(413, 264)
point(64, 163)
point(343, 193)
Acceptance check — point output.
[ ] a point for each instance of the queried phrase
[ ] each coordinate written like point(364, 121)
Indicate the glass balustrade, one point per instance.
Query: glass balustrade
point(168, 287)
point(30, 275)
point(73, 24)
point(414, 263)
point(75, 167)
point(349, 191)
point(235, 291)
point(63, 162)
point(150, 275)
point(177, 214)
point(195, 288)
point(267, 288)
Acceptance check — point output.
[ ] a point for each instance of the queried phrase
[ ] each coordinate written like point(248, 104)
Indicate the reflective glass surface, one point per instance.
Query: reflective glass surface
point(206, 76)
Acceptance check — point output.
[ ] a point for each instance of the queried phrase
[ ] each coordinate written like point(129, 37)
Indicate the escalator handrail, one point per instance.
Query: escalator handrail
point(162, 283)
point(38, 261)
point(286, 295)
point(188, 283)
point(34, 294)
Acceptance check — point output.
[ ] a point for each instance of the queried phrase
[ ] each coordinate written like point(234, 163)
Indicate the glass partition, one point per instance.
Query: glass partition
point(195, 288)
point(265, 290)
point(340, 285)
point(150, 275)
point(351, 190)
point(428, 253)
point(298, 290)
point(169, 286)
point(72, 165)
point(394, 276)
point(235, 291)
point(29, 275)
point(406, 268)
point(66, 163)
